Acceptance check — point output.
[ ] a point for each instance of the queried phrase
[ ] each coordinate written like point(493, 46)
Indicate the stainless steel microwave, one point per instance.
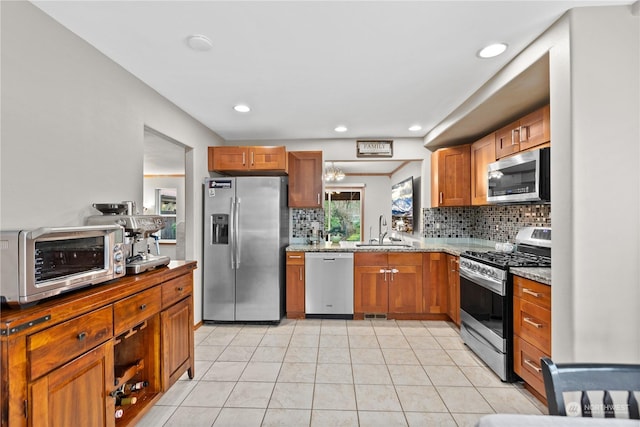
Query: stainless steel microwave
point(41, 263)
point(521, 178)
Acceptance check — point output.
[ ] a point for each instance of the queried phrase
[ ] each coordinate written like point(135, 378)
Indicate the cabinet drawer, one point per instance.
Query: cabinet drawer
point(176, 289)
point(131, 311)
point(534, 292)
point(295, 258)
point(526, 363)
point(532, 323)
point(405, 258)
point(57, 345)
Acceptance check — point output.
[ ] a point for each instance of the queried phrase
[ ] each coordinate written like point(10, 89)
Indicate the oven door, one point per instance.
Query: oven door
point(486, 311)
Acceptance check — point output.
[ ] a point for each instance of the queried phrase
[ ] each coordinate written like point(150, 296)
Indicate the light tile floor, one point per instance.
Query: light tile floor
point(336, 373)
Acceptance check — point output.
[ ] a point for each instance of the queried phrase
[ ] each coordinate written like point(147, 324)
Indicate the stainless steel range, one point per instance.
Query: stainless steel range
point(486, 297)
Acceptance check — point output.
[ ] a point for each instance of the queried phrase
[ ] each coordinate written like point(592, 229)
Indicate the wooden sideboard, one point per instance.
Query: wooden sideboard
point(64, 361)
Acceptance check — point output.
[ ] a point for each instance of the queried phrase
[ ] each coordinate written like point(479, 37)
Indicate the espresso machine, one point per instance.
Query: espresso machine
point(138, 232)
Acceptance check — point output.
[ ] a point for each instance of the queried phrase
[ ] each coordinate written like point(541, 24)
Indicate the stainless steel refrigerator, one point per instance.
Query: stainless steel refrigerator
point(246, 227)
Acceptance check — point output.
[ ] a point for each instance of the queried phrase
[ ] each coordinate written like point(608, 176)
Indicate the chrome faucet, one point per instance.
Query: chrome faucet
point(381, 221)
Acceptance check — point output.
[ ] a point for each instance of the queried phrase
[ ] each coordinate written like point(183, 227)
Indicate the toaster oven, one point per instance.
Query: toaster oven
point(41, 263)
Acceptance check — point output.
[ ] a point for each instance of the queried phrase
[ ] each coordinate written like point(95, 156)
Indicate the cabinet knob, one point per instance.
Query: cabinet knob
point(82, 336)
point(180, 289)
point(143, 306)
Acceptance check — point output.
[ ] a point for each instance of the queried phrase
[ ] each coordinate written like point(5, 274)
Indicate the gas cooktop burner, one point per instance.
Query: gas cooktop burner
point(510, 259)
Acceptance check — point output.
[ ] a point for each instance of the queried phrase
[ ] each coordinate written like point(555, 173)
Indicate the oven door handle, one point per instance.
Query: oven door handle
point(475, 334)
point(498, 288)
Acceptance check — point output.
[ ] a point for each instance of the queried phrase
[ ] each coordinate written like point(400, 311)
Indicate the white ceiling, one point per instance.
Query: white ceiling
point(305, 67)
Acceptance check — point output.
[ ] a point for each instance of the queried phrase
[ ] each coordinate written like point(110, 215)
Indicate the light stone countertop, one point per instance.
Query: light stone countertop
point(538, 274)
point(450, 246)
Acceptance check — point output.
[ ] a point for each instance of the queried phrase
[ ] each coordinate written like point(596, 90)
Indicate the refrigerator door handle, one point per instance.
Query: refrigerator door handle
point(232, 233)
point(238, 247)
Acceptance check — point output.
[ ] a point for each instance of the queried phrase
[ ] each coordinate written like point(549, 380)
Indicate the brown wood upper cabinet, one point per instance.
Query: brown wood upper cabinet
point(450, 176)
point(530, 131)
point(246, 160)
point(305, 179)
point(483, 152)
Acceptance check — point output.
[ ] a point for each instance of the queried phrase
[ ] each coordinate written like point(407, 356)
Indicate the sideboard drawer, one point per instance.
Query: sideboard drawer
point(57, 345)
point(176, 289)
point(131, 311)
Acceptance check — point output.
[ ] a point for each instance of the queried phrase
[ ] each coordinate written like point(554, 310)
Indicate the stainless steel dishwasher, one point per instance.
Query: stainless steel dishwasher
point(328, 287)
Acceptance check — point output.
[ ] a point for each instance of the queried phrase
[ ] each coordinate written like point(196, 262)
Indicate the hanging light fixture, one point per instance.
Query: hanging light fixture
point(332, 173)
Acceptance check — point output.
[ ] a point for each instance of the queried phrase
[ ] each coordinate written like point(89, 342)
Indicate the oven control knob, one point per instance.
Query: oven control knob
point(119, 269)
point(117, 257)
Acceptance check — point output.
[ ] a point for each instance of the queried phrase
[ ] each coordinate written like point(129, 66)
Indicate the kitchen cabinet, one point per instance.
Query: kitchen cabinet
point(387, 283)
point(76, 394)
point(453, 262)
point(305, 179)
point(64, 359)
point(434, 283)
point(532, 330)
point(176, 321)
point(451, 176)
point(530, 131)
point(270, 160)
point(483, 152)
point(295, 285)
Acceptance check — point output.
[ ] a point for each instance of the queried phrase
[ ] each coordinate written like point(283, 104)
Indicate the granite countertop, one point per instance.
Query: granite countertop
point(538, 274)
point(450, 246)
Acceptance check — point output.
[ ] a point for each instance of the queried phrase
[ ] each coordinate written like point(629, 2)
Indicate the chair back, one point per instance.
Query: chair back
point(584, 377)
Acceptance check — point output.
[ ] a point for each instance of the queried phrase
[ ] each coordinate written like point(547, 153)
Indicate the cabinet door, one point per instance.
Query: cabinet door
point(507, 140)
point(451, 177)
point(371, 291)
point(305, 179)
point(295, 292)
point(434, 283)
point(267, 158)
point(405, 289)
point(453, 288)
point(177, 342)
point(483, 152)
point(535, 128)
point(228, 158)
point(76, 394)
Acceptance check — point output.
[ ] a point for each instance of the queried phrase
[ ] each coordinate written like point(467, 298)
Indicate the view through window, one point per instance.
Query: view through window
point(343, 212)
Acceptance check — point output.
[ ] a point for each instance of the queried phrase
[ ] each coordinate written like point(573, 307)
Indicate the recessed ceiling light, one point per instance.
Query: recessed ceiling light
point(199, 42)
point(415, 128)
point(241, 108)
point(492, 50)
point(340, 128)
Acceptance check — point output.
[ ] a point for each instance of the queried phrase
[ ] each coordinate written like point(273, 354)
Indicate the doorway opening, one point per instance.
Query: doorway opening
point(344, 212)
point(164, 185)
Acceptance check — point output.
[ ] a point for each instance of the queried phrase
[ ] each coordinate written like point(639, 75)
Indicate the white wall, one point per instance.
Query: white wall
point(72, 130)
point(605, 223)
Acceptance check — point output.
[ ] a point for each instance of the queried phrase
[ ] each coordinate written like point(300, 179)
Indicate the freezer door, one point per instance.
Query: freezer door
point(258, 276)
point(218, 293)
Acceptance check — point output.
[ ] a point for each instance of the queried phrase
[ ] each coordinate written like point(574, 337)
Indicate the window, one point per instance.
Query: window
point(166, 207)
point(343, 212)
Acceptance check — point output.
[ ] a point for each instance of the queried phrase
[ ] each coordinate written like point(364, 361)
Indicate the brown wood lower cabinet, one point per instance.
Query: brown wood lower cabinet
point(454, 288)
point(295, 285)
point(532, 330)
point(65, 360)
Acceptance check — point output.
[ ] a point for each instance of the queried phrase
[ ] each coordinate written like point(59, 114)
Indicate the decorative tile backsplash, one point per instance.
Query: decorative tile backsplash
point(497, 223)
point(301, 220)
